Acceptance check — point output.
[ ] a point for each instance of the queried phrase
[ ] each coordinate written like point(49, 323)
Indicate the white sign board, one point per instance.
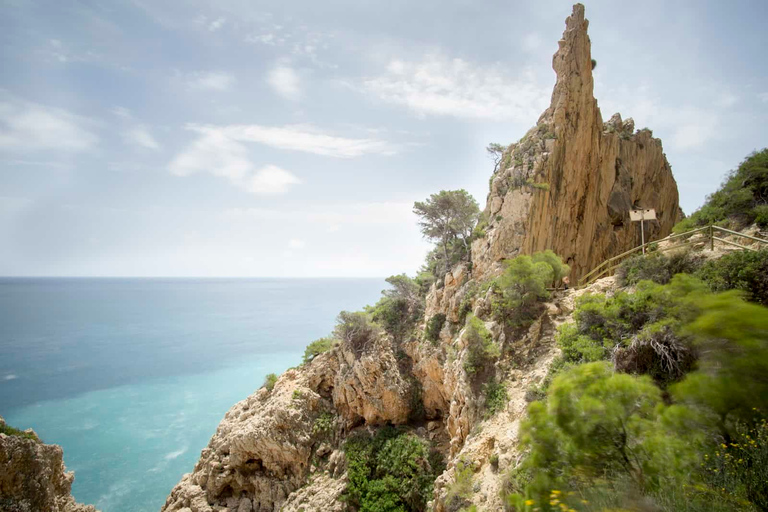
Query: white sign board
point(637, 215)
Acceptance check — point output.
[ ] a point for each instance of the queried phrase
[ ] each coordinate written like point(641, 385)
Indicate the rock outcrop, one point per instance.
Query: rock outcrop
point(569, 184)
point(33, 477)
point(267, 445)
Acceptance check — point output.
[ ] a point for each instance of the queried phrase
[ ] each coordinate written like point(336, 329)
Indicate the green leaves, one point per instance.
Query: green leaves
point(389, 472)
point(741, 198)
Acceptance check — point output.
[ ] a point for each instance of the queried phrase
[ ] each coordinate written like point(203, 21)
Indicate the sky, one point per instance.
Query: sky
point(290, 139)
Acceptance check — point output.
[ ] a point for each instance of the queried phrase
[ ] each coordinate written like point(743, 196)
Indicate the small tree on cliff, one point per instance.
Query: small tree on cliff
point(446, 217)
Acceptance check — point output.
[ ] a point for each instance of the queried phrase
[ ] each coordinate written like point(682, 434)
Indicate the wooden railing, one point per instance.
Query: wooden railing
point(608, 266)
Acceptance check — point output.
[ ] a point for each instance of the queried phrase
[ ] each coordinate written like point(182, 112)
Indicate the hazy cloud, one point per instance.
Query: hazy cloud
point(305, 138)
point(27, 126)
point(438, 85)
point(215, 153)
point(217, 24)
point(211, 81)
point(285, 81)
point(271, 180)
point(140, 136)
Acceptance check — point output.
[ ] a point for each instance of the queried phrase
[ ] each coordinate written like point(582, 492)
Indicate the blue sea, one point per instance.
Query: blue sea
point(132, 376)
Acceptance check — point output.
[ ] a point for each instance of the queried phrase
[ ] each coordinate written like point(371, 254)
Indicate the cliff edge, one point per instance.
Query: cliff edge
point(33, 477)
point(568, 186)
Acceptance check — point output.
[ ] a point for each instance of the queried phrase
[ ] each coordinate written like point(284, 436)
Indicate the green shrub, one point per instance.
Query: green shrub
point(495, 397)
point(10, 431)
point(400, 308)
point(460, 490)
point(269, 381)
point(658, 267)
point(434, 326)
point(390, 471)
point(297, 395)
point(739, 270)
point(356, 329)
point(523, 285)
point(482, 352)
point(640, 331)
point(324, 425)
point(761, 215)
point(317, 347)
point(653, 267)
point(597, 424)
point(740, 199)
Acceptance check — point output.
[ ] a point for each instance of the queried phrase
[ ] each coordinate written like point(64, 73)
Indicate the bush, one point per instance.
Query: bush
point(523, 285)
point(658, 267)
point(434, 326)
point(597, 424)
point(269, 381)
point(390, 471)
point(495, 397)
point(317, 347)
point(10, 431)
point(482, 352)
point(732, 338)
point(739, 270)
point(355, 329)
point(640, 331)
point(460, 490)
point(741, 199)
point(653, 267)
point(400, 308)
point(324, 425)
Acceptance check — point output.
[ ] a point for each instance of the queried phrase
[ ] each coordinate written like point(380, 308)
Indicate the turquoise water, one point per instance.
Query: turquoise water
point(131, 376)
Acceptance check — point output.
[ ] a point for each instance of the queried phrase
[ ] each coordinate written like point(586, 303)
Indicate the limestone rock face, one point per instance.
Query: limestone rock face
point(266, 446)
point(569, 184)
point(33, 477)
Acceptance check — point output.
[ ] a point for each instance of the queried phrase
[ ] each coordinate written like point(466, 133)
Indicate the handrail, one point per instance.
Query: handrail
point(605, 267)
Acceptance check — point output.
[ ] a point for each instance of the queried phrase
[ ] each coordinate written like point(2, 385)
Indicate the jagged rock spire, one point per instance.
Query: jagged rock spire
point(571, 180)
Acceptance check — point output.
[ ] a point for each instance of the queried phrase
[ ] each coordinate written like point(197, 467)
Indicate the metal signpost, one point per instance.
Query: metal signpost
point(642, 216)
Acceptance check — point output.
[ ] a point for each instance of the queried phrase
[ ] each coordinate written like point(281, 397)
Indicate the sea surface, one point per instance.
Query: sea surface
point(132, 376)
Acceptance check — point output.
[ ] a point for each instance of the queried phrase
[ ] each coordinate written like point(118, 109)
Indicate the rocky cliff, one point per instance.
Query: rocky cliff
point(569, 183)
point(566, 186)
point(33, 477)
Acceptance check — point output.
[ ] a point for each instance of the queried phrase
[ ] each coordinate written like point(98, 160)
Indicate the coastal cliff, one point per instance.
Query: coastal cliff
point(566, 186)
point(33, 477)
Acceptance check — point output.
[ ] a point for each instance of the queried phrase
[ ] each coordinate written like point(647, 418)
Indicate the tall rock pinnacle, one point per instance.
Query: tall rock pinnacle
point(569, 183)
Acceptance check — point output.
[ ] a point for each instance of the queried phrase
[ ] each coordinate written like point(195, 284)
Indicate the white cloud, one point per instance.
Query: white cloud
point(271, 180)
point(140, 136)
point(295, 243)
point(304, 138)
point(214, 152)
point(217, 24)
point(27, 126)
point(285, 81)
point(211, 81)
point(438, 85)
point(763, 97)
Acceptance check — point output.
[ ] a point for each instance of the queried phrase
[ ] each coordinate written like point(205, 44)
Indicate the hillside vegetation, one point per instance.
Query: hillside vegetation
point(741, 200)
point(659, 399)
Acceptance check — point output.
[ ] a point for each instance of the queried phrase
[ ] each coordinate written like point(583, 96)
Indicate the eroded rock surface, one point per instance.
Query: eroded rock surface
point(569, 184)
point(33, 477)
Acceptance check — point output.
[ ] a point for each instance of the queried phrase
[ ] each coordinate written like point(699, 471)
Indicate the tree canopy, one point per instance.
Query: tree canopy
point(447, 217)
